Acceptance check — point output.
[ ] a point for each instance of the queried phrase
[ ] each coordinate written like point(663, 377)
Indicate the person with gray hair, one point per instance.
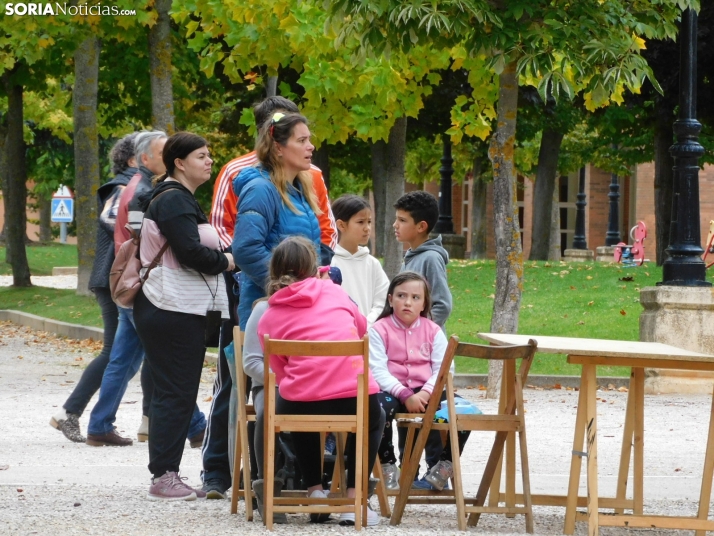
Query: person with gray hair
point(127, 353)
point(108, 196)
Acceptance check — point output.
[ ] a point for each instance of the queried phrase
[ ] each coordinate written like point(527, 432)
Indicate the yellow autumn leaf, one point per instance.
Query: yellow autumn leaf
point(638, 43)
point(617, 95)
point(589, 104)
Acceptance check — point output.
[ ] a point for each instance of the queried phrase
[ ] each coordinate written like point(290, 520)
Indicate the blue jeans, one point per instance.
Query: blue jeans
point(124, 362)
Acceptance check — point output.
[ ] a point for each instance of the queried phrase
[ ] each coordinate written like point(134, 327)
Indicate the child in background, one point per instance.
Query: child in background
point(313, 385)
point(417, 213)
point(363, 278)
point(406, 351)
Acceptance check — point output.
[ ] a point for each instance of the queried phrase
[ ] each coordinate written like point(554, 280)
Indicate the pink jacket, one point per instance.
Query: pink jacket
point(404, 358)
point(314, 310)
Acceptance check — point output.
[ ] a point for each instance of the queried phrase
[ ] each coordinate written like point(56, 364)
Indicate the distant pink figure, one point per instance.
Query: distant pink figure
point(633, 254)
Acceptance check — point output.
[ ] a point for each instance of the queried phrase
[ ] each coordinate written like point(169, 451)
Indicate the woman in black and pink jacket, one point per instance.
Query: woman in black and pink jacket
point(171, 309)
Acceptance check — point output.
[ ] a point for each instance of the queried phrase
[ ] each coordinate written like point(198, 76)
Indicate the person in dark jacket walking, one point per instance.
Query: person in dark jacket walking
point(123, 167)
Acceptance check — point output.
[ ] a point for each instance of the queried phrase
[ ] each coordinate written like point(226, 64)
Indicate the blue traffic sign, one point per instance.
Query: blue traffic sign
point(62, 210)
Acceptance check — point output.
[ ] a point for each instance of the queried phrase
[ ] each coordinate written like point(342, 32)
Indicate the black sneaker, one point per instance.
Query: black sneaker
point(214, 489)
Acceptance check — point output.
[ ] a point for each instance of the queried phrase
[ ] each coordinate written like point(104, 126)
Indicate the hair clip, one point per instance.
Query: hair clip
point(276, 117)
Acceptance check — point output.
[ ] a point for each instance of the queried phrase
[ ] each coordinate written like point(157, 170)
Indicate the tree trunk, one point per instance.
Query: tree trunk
point(554, 252)
point(509, 254)
point(479, 229)
point(86, 156)
point(664, 179)
point(321, 158)
point(543, 193)
point(162, 95)
point(15, 193)
point(271, 87)
point(3, 184)
point(379, 187)
point(395, 155)
point(45, 217)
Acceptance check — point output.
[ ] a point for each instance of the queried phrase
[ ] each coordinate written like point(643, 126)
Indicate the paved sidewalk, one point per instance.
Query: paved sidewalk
point(51, 486)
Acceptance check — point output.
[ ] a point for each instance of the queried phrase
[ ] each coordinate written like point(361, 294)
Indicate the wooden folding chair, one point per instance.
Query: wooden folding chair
point(245, 414)
point(356, 424)
point(510, 419)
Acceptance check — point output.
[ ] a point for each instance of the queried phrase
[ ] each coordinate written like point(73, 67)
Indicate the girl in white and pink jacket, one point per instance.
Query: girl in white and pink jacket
point(406, 351)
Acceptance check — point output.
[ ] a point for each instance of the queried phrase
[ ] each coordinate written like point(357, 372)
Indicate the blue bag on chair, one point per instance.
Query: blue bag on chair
point(461, 405)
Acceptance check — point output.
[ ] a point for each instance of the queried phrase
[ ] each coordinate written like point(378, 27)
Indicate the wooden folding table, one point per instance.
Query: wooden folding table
point(637, 356)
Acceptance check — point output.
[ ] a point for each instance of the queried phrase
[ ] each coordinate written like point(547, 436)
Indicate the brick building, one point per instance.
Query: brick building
point(636, 203)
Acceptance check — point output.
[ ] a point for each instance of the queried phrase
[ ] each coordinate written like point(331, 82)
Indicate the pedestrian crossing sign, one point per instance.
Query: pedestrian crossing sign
point(62, 210)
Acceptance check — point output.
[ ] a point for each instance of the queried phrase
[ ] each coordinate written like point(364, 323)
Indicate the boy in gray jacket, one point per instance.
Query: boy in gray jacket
point(417, 213)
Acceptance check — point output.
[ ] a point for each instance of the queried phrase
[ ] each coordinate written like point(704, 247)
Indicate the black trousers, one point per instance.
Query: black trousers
point(174, 347)
point(307, 444)
point(216, 464)
point(91, 378)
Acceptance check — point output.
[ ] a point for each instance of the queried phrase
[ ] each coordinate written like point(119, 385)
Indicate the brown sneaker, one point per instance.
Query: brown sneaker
point(170, 487)
point(112, 439)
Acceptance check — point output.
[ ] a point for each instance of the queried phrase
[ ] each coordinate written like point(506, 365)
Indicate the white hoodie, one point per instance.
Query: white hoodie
point(363, 279)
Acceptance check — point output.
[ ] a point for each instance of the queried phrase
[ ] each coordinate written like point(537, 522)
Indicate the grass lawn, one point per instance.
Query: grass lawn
point(594, 300)
point(43, 257)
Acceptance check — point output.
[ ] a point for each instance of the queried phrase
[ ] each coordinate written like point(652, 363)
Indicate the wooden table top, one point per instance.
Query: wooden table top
point(599, 347)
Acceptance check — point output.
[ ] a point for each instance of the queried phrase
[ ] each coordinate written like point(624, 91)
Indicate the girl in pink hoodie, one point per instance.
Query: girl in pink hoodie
point(304, 307)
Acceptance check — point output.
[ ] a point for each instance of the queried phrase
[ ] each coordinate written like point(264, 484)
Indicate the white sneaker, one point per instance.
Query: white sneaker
point(391, 475)
point(319, 494)
point(348, 518)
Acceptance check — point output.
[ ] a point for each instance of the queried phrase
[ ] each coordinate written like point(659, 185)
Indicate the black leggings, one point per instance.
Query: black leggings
point(92, 376)
point(174, 347)
point(434, 451)
point(307, 444)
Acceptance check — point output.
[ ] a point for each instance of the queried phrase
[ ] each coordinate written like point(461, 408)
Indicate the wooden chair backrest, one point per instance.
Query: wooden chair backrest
point(499, 353)
point(317, 349)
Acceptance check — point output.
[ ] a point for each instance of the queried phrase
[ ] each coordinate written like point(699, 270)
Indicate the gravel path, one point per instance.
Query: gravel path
point(52, 281)
point(51, 486)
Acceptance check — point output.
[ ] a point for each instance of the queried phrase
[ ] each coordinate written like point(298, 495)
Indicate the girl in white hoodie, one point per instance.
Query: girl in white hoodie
point(363, 278)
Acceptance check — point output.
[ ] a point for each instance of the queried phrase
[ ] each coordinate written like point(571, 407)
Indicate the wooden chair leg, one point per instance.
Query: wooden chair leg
point(245, 457)
point(384, 508)
point(525, 469)
point(706, 489)
point(509, 373)
point(338, 485)
point(576, 461)
point(453, 435)
point(410, 466)
point(495, 496)
point(235, 484)
point(627, 441)
point(269, 454)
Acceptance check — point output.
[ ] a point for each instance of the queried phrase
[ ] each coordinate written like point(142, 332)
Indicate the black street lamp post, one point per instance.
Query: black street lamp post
point(612, 238)
point(685, 267)
point(579, 241)
point(445, 223)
